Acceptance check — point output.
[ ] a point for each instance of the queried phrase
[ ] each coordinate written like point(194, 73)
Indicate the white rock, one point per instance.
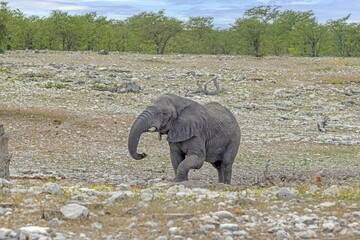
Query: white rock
point(241, 234)
point(118, 196)
point(328, 226)
point(313, 189)
point(224, 214)
point(355, 214)
point(162, 238)
point(332, 191)
point(123, 187)
point(34, 232)
point(327, 204)
point(282, 235)
point(307, 219)
point(5, 233)
point(285, 193)
point(306, 234)
point(75, 211)
point(229, 227)
point(151, 224)
point(52, 188)
point(174, 230)
point(96, 225)
point(4, 183)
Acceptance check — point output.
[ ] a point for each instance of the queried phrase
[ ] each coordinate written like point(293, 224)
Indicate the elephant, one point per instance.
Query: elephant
point(195, 133)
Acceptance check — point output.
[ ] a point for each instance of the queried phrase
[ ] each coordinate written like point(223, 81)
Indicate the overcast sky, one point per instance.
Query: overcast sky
point(224, 12)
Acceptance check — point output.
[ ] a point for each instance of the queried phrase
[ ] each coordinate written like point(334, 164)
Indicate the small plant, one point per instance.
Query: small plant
point(54, 85)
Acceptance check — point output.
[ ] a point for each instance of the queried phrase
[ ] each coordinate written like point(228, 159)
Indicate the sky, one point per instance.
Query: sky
point(224, 12)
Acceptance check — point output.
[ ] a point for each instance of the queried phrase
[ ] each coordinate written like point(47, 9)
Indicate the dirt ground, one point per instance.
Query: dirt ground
point(66, 121)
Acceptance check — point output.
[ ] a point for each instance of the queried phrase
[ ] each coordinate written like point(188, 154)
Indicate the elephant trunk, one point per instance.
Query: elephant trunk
point(145, 122)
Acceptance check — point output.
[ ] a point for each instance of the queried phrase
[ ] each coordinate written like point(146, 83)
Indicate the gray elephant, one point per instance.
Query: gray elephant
point(195, 132)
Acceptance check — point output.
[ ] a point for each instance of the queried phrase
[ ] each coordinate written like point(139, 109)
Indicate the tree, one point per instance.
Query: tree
point(341, 29)
point(155, 28)
point(4, 18)
point(308, 33)
point(252, 28)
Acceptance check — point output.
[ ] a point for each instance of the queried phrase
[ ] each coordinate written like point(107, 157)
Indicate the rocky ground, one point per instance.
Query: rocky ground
point(297, 174)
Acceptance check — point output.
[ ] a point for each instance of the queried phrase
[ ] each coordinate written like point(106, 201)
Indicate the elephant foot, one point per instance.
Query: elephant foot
point(180, 179)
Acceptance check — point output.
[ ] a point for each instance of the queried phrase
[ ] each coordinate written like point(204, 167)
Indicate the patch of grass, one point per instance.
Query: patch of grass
point(55, 85)
point(323, 69)
point(337, 81)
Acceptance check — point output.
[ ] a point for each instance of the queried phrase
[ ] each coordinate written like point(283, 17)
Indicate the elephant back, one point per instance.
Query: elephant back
point(222, 117)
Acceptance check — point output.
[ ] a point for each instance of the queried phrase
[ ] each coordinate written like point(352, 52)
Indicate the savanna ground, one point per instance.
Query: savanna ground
point(69, 115)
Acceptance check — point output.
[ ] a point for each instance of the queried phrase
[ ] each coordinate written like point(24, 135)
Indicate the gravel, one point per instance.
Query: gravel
point(296, 176)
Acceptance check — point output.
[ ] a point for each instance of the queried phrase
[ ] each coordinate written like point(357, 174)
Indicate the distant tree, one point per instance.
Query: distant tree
point(252, 28)
point(307, 34)
point(4, 18)
point(155, 28)
point(341, 31)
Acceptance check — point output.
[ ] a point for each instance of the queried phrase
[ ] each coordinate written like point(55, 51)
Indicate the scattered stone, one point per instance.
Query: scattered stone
point(52, 188)
point(332, 191)
point(224, 215)
point(282, 235)
point(5, 233)
point(174, 230)
point(328, 226)
point(306, 234)
point(327, 204)
point(241, 234)
point(229, 227)
point(33, 232)
point(96, 225)
point(75, 211)
point(313, 189)
point(119, 196)
point(285, 193)
point(4, 183)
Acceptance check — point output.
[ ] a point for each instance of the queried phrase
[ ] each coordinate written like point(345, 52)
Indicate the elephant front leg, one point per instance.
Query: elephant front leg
point(190, 162)
point(176, 158)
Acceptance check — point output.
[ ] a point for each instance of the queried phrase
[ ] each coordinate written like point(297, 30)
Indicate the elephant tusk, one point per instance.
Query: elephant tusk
point(152, 129)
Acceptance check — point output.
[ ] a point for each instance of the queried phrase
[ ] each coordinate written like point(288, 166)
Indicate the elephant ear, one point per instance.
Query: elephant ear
point(189, 123)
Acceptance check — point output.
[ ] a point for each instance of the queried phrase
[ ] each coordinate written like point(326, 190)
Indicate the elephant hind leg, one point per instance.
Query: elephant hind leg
point(224, 171)
point(219, 168)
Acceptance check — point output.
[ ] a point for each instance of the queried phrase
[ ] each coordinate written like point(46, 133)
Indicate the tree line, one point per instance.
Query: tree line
point(262, 30)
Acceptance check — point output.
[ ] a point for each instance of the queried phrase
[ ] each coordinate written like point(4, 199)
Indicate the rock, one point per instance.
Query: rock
point(328, 226)
point(51, 188)
point(242, 234)
point(306, 234)
point(118, 196)
point(34, 232)
point(313, 189)
point(229, 227)
point(332, 191)
point(123, 187)
point(285, 193)
point(151, 224)
point(282, 235)
point(96, 225)
point(174, 230)
point(224, 215)
point(5, 233)
point(75, 211)
point(130, 87)
point(327, 204)
point(162, 238)
point(54, 223)
point(355, 214)
point(4, 183)
point(307, 219)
